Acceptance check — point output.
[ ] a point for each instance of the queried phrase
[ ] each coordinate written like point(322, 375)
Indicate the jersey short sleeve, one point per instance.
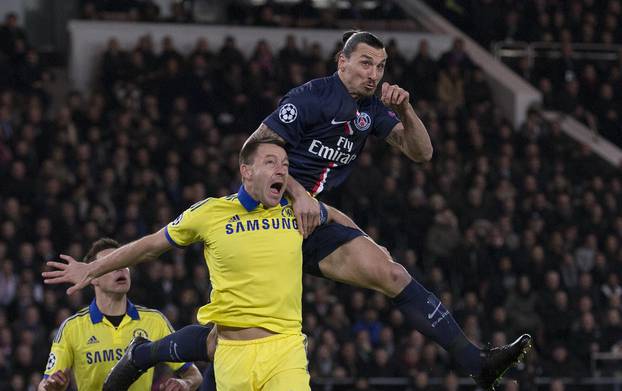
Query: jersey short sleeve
point(187, 227)
point(296, 113)
point(384, 121)
point(61, 354)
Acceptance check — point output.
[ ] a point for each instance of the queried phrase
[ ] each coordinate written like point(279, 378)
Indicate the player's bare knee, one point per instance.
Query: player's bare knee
point(393, 278)
point(399, 275)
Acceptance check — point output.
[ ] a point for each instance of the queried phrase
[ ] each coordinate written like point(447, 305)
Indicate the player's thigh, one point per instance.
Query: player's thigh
point(288, 380)
point(233, 367)
point(285, 363)
point(362, 262)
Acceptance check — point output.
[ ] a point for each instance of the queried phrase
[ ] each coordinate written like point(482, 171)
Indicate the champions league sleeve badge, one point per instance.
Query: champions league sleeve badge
point(51, 361)
point(288, 113)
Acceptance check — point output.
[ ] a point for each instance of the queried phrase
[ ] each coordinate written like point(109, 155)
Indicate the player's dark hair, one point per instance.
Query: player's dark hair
point(100, 245)
point(247, 154)
point(352, 38)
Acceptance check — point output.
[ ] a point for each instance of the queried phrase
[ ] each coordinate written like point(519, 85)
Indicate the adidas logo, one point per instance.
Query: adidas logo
point(234, 219)
point(92, 340)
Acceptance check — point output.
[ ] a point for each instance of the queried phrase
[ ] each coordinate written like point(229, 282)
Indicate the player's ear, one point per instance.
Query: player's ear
point(245, 171)
point(341, 61)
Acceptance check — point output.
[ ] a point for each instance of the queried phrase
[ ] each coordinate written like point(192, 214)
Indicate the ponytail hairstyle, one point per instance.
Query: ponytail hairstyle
point(352, 38)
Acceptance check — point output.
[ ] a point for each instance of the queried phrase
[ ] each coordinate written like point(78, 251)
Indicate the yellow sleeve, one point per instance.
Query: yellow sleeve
point(61, 354)
point(166, 328)
point(186, 228)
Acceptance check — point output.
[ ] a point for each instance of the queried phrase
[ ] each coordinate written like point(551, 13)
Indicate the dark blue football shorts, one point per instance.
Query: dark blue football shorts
point(322, 242)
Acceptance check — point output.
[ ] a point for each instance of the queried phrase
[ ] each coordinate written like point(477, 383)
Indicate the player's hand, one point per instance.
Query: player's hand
point(57, 382)
point(394, 97)
point(307, 212)
point(212, 341)
point(173, 384)
point(72, 272)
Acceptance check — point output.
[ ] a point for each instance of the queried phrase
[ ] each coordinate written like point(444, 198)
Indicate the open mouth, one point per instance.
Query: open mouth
point(276, 187)
point(121, 280)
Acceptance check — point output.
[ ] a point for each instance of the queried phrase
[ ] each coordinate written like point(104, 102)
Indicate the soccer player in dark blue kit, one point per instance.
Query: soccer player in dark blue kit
point(325, 124)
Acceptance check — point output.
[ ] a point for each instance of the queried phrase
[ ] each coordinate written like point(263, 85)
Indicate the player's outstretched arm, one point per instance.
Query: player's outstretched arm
point(80, 274)
point(306, 208)
point(410, 136)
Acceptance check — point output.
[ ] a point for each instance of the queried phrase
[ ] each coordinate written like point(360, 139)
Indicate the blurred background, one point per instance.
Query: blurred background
point(115, 115)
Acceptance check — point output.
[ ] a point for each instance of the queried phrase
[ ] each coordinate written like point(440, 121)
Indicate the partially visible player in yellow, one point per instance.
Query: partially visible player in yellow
point(254, 253)
point(89, 343)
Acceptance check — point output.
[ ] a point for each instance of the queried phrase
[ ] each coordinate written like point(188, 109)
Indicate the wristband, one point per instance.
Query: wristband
point(323, 213)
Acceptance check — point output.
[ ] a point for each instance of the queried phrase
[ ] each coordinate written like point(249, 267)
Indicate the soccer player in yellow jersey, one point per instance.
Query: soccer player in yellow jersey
point(254, 253)
point(89, 343)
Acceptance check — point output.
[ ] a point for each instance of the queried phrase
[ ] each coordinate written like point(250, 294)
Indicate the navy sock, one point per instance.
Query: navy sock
point(209, 379)
point(425, 312)
point(185, 345)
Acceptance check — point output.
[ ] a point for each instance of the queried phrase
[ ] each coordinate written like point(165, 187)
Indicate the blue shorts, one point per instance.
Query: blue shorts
point(322, 242)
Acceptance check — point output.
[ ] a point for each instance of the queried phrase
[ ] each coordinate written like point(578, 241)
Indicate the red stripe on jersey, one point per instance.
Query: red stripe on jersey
point(348, 129)
point(319, 185)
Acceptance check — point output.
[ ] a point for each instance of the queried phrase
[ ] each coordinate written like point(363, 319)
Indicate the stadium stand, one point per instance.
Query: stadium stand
point(281, 13)
point(516, 229)
point(569, 50)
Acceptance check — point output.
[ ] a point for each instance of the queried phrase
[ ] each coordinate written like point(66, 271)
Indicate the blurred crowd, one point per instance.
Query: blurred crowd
point(588, 87)
point(285, 13)
point(584, 21)
point(136, 10)
point(516, 229)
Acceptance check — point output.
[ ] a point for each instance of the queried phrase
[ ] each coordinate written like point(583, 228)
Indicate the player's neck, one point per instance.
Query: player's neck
point(251, 191)
point(111, 303)
point(354, 95)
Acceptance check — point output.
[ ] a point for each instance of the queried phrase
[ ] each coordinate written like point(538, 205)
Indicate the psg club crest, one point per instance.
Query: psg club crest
point(288, 113)
point(362, 121)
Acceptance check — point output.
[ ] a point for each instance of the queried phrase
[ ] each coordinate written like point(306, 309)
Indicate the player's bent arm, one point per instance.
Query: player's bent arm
point(305, 206)
point(192, 377)
point(411, 136)
point(295, 189)
point(147, 248)
point(262, 133)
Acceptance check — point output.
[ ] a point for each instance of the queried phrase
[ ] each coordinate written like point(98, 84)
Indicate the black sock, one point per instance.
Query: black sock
point(185, 345)
point(424, 311)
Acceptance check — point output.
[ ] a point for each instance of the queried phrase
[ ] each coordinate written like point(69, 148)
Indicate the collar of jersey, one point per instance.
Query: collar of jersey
point(349, 108)
point(249, 203)
point(97, 316)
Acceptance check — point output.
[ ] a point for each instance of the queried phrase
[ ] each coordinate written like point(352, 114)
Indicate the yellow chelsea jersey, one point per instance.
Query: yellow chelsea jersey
point(90, 345)
point(254, 257)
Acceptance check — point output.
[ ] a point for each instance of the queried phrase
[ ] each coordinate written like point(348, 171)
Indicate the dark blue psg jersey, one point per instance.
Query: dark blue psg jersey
point(326, 129)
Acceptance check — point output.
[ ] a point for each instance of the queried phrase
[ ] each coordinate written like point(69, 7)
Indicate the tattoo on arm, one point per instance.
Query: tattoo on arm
point(264, 133)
